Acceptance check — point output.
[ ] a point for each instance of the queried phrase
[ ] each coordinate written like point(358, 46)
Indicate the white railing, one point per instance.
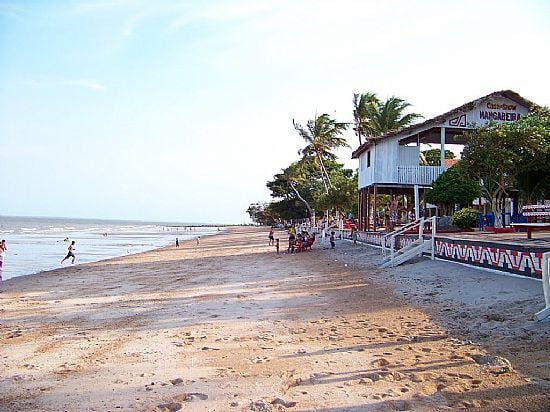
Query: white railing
point(417, 223)
point(543, 314)
point(388, 236)
point(420, 175)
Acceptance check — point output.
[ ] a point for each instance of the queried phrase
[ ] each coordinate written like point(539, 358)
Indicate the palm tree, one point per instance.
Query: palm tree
point(388, 116)
point(363, 105)
point(322, 134)
point(373, 117)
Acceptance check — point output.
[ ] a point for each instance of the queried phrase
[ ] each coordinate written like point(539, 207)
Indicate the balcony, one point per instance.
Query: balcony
point(418, 175)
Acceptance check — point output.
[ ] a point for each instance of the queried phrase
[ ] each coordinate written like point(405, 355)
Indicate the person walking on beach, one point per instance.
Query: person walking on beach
point(271, 237)
point(354, 235)
point(70, 254)
point(3, 249)
point(332, 240)
point(291, 242)
point(198, 240)
point(394, 204)
point(177, 243)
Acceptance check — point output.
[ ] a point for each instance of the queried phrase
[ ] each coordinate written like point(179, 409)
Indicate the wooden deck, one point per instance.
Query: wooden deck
point(539, 239)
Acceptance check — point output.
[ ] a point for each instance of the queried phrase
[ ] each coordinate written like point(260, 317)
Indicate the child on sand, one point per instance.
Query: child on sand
point(71, 253)
point(332, 240)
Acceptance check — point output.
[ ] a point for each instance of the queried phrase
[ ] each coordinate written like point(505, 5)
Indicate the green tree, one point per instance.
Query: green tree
point(363, 106)
point(287, 209)
point(342, 196)
point(432, 157)
point(451, 188)
point(510, 155)
point(388, 116)
point(260, 213)
point(322, 135)
point(533, 185)
point(301, 189)
point(465, 218)
point(296, 182)
point(533, 176)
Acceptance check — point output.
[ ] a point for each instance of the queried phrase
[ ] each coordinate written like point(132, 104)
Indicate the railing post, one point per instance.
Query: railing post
point(392, 246)
point(546, 279)
point(433, 235)
point(543, 314)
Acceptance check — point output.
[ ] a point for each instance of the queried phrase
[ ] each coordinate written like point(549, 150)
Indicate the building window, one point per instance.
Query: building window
point(368, 159)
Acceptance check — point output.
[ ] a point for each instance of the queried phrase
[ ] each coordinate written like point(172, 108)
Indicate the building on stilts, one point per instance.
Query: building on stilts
point(391, 164)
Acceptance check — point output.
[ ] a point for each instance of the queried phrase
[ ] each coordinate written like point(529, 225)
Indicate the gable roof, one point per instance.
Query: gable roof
point(436, 121)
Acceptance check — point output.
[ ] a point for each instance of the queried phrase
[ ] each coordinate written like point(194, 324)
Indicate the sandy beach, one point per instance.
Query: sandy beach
point(229, 325)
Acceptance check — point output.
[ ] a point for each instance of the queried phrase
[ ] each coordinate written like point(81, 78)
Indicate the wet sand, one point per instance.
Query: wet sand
point(229, 325)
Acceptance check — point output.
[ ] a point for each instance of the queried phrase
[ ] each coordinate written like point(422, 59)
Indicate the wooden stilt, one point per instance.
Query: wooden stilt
point(367, 223)
point(374, 209)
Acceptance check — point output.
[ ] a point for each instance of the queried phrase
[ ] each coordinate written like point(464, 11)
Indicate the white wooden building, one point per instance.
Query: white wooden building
point(390, 164)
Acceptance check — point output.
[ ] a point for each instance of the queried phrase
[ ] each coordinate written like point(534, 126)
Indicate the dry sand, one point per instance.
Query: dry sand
point(229, 325)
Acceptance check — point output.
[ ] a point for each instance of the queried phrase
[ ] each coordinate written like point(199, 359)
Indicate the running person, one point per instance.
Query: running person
point(71, 253)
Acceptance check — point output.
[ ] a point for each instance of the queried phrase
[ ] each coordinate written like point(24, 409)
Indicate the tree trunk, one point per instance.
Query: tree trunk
point(324, 174)
point(308, 207)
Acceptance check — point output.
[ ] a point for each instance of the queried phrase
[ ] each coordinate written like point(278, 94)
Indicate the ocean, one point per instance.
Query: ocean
point(36, 244)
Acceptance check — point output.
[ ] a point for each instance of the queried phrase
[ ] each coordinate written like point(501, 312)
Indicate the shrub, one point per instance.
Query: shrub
point(465, 218)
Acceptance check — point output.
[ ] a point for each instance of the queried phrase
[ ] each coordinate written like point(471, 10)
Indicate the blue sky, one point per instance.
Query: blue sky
point(182, 110)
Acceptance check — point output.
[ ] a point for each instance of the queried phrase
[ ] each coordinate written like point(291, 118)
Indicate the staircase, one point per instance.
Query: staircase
point(393, 257)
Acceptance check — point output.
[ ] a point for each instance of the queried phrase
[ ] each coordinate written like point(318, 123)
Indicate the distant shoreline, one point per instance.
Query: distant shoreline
point(36, 245)
point(113, 220)
point(107, 259)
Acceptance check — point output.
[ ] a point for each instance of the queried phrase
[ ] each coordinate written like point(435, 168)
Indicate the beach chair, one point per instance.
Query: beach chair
point(299, 245)
point(308, 245)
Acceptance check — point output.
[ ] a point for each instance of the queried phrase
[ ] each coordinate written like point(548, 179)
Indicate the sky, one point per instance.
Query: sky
point(182, 110)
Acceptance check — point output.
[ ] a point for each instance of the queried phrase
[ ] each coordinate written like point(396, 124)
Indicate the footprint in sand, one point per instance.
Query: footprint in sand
point(260, 359)
point(380, 363)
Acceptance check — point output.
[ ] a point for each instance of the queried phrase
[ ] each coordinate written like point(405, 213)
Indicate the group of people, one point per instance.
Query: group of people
point(299, 241)
point(389, 216)
point(390, 213)
point(178, 241)
point(303, 240)
point(4, 247)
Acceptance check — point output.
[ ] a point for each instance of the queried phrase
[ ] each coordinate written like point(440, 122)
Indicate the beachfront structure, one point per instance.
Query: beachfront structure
point(390, 164)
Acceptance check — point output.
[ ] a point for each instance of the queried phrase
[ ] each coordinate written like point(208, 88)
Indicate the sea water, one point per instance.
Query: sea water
point(38, 244)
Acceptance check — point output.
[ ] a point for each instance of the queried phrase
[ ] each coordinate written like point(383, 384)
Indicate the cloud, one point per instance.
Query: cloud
point(224, 11)
point(32, 83)
point(86, 84)
point(176, 15)
point(79, 83)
